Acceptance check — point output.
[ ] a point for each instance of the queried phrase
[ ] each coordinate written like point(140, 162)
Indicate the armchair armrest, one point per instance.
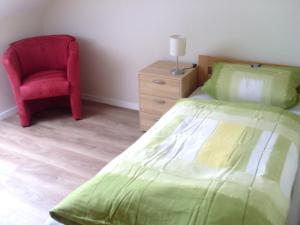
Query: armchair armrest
point(12, 66)
point(73, 75)
point(73, 65)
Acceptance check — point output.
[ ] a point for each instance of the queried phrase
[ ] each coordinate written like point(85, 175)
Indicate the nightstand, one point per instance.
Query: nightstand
point(159, 90)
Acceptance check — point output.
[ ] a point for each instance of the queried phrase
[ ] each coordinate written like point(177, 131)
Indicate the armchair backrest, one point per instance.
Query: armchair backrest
point(42, 53)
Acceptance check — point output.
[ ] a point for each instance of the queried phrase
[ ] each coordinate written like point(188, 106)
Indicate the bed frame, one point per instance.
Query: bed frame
point(205, 64)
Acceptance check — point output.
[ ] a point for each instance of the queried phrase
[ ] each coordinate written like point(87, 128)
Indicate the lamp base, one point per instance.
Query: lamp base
point(176, 71)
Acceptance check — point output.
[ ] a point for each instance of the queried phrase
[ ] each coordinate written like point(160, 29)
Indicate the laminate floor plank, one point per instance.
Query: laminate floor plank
point(28, 169)
point(97, 147)
point(43, 163)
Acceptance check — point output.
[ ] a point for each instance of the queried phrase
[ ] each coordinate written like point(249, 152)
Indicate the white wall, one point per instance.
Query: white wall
point(18, 19)
point(119, 37)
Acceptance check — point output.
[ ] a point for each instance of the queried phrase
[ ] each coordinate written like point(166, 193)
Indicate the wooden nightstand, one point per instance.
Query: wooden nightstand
point(159, 90)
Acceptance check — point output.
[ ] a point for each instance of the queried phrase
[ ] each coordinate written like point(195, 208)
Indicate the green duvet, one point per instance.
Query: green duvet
point(203, 163)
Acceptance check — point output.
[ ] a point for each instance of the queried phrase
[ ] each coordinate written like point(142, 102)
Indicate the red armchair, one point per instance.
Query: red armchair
point(44, 72)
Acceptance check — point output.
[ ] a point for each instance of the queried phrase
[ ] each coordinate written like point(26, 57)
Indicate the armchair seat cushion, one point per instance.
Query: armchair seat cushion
point(45, 84)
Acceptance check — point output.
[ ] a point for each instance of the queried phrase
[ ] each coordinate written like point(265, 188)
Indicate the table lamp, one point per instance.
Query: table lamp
point(177, 48)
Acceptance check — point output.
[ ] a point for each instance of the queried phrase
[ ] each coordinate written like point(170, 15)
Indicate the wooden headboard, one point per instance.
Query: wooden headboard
point(205, 64)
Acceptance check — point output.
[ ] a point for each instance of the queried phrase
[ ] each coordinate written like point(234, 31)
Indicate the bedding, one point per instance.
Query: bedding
point(204, 162)
point(272, 85)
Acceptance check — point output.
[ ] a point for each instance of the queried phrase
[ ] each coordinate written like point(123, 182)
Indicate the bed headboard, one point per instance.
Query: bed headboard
point(205, 64)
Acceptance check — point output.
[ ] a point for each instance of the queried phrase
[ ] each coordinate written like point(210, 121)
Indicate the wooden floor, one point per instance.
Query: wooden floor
point(41, 164)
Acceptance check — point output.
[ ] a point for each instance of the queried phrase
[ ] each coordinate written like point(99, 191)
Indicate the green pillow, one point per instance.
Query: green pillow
point(271, 85)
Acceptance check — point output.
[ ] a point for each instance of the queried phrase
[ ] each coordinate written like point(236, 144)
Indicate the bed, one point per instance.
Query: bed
point(175, 174)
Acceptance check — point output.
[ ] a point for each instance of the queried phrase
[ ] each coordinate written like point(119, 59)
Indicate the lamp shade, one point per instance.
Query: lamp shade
point(177, 45)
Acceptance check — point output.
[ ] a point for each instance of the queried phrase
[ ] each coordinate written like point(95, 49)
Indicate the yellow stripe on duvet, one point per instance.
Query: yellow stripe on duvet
point(221, 145)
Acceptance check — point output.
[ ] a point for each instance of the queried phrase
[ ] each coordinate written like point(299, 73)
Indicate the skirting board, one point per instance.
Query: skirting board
point(111, 101)
point(8, 112)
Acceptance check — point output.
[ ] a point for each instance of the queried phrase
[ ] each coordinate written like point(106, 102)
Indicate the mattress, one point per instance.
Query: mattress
point(51, 221)
point(175, 173)
point(294, 216)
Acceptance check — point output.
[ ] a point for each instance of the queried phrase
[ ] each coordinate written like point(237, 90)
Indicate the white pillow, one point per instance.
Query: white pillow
point(199, 94)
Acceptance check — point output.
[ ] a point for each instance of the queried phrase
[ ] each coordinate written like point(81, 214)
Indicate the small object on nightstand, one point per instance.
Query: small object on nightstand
point(159, 90)
point(177, 48)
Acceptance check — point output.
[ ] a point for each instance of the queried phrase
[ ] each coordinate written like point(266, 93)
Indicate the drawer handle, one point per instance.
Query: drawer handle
point(159, 101)
point(161, 82)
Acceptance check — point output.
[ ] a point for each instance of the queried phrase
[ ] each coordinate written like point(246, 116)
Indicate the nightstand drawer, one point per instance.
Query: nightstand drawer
point(156, 85)
point(147, 120)
point(159, 90)
point(155, 105)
